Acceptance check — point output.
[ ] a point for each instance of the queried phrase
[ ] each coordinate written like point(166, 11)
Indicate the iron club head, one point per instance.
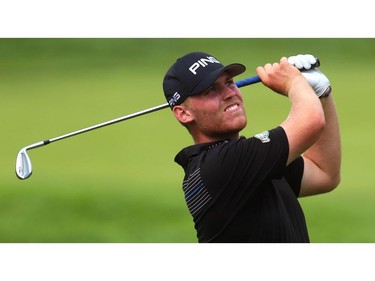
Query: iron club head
point(24, 168)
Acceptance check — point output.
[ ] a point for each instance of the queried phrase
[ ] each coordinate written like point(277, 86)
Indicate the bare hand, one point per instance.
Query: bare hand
point(279, 76)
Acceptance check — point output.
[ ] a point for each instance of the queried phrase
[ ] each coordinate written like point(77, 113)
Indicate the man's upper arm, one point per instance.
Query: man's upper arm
point(314, 179)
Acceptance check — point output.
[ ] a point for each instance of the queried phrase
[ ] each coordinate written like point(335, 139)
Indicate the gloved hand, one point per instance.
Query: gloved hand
point(304, 62)
point(317, 80)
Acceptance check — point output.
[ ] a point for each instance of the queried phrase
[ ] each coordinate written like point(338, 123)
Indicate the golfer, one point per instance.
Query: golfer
point(241, 189)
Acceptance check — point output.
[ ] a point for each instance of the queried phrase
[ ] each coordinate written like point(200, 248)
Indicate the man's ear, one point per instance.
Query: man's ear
point(183, 114)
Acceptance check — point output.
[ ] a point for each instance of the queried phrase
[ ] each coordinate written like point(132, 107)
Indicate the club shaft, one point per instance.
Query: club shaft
point(240, 83)
point(110, 122)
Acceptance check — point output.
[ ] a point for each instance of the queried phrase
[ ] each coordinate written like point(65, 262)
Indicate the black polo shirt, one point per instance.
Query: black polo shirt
point(242, 190)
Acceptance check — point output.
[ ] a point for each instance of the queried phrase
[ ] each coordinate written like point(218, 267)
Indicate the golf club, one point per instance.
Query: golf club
point(23, 162)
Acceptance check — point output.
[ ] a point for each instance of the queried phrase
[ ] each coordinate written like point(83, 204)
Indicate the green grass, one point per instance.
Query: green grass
point(119, 183)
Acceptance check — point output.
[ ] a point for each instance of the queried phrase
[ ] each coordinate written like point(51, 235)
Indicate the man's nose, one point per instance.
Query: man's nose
point(229, 93)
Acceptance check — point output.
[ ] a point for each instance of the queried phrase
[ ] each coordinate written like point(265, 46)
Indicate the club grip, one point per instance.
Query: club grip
point(248, 81)
point(256, 79)
point(317, 64)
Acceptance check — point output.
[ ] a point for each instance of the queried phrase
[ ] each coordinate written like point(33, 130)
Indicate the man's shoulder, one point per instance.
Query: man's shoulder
point(193, 150)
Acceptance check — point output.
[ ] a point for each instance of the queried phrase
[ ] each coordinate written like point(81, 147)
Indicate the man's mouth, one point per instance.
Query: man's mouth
point(232, 107)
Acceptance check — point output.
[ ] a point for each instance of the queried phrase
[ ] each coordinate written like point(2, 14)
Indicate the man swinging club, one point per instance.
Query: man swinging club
point(241, 189)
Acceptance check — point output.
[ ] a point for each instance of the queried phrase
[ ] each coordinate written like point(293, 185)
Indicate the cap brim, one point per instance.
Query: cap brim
point(233, 69)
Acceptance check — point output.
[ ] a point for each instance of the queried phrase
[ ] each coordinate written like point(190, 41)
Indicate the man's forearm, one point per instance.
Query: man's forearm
point(305, 122)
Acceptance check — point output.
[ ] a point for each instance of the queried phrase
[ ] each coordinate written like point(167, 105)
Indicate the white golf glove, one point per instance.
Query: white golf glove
point(317, 80)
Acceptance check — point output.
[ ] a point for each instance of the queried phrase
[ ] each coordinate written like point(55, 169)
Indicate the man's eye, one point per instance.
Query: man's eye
point(230, 82)
point(210, 90)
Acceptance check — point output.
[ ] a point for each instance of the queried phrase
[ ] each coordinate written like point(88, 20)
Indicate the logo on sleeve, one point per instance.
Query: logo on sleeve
point(264, 137)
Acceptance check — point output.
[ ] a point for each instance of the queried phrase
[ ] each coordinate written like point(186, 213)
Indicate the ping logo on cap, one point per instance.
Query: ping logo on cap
point(174, 99)
point(202, 62)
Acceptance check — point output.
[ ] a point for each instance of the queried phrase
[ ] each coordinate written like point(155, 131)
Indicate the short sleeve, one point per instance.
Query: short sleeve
point(246, 163)
point(294, 173)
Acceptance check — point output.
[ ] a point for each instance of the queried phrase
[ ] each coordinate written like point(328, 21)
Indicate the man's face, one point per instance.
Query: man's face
point(218, 112)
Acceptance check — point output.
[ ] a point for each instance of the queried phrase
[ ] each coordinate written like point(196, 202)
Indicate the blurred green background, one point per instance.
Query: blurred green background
point(119, 183)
